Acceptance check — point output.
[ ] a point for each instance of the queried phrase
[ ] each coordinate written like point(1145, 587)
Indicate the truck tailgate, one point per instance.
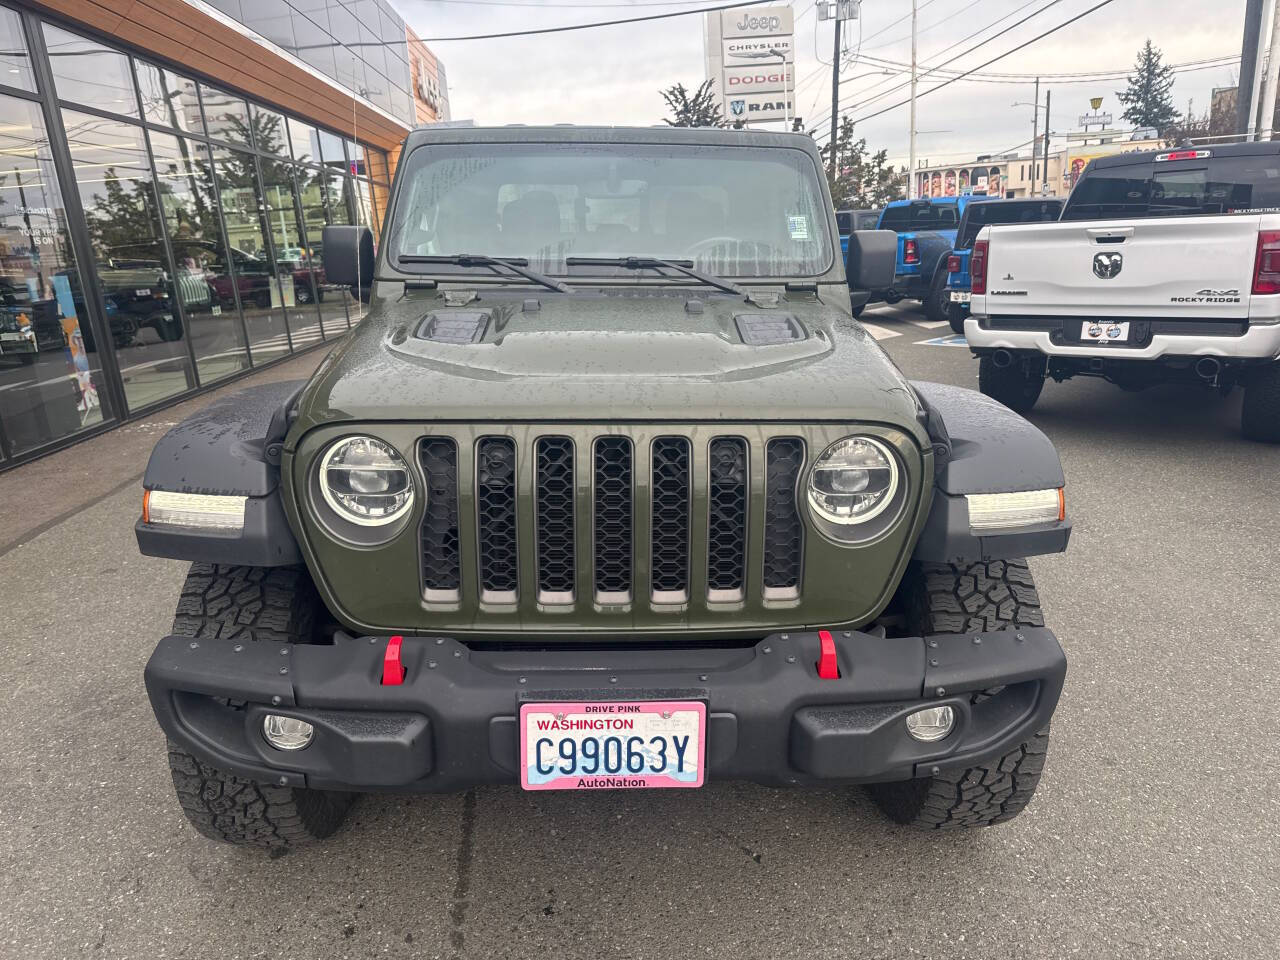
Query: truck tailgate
point(1192, 267)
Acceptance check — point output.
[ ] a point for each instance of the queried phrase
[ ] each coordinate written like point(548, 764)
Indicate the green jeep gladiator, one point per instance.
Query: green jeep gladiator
point(609, 490)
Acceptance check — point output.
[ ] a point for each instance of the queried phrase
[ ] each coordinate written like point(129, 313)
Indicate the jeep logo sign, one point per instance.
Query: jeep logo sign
point(750, 24)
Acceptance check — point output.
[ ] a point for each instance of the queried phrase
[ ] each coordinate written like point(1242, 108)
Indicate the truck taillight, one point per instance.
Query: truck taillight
point(953, 264)
point(1266, 265)
point(909, 252)
point(978, 268)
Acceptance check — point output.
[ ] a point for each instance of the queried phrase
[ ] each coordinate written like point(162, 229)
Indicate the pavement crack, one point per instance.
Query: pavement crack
point(462, 884)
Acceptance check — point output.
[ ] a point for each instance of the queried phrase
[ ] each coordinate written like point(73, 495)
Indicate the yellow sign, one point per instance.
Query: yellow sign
point(1095, 102)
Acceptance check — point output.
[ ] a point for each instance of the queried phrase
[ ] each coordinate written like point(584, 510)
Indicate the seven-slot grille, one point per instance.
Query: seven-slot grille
point(594, 519)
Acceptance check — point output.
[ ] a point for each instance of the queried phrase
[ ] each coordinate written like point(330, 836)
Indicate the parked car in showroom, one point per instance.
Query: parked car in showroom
point(575, 519)
point(1164, 267)
point(975, 217)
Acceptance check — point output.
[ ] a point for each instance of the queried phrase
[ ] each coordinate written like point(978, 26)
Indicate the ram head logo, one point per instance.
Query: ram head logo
point(1107, 265)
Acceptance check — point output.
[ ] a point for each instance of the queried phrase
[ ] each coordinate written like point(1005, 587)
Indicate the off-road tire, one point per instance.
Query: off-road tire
point(857, 311)
point(1017, 386)
point(965, 598)
point(235, 810)
point(1260, 413)
point(264, 605)
point(937, 304)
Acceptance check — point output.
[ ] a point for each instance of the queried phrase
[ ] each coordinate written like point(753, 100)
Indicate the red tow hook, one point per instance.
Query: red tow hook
point(392, 665)
point(828, 668)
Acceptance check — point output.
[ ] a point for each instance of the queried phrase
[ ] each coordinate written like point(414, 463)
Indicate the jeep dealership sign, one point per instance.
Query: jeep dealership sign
point(751, 57)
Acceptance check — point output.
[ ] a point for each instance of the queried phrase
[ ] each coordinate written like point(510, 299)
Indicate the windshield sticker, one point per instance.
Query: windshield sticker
point(798, 227)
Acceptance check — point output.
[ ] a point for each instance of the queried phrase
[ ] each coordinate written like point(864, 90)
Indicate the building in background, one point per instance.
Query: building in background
point(427, 84)
point(164, 180)
point(1024, 175)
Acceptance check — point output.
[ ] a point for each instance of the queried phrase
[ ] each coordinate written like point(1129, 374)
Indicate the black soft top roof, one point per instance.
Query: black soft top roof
point(569, 133)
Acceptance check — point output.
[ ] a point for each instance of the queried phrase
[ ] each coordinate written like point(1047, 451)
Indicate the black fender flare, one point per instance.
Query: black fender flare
point(231, 447)
point(981, 446)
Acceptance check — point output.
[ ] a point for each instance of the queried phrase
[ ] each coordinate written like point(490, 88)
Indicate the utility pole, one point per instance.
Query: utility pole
point(835, 97)
point(911, 175)
point(1245, 101)
point(1271, 80)
point(1044, 189)
point(1035, 118)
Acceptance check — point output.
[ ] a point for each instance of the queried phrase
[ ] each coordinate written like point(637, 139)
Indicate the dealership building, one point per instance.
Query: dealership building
point(166, 169)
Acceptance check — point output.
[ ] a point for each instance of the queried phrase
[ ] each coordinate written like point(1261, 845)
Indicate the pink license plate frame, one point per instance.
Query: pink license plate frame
point(605, 721)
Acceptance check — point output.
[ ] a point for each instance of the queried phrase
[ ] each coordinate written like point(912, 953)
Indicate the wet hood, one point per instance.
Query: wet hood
point(622, 353)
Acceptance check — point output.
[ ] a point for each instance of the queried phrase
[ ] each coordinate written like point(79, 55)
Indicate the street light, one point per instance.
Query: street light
point(786, 99)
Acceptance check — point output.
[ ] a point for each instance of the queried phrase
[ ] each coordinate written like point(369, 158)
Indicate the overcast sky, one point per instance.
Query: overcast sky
point(612, 75)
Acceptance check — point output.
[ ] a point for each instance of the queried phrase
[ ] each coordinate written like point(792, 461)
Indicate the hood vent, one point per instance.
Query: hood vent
point(460, 326)
point(767, 329)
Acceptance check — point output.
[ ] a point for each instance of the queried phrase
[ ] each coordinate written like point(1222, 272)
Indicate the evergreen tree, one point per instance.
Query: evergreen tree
point(699, 109)
point(1149, 99)
point(859, 179)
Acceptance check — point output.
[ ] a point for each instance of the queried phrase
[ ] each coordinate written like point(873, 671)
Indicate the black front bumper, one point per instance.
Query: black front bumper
point(453, 722)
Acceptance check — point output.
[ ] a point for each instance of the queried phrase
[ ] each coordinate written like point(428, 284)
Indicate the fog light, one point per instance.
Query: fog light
point(288, 733)
point(931, 723)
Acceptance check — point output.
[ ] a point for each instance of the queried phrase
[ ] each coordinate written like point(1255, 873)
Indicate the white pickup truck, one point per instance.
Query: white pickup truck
point(1163, 267)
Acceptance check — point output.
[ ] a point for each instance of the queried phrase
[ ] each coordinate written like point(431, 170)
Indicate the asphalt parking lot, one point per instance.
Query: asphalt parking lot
point(1153, 834)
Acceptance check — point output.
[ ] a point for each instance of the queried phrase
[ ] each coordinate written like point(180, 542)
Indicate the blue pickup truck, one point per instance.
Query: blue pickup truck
point(975, 217)
point(851, 220)
point(926, 236)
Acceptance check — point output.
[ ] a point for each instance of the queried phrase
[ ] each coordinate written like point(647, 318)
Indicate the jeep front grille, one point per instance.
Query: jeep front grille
point(613, 520)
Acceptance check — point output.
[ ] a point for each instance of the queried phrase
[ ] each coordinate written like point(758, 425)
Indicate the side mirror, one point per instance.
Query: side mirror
point(873, 255)
point(348, 256)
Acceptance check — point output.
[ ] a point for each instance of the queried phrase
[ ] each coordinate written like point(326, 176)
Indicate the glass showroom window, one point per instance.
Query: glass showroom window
point(227, 116)
point(138, 284)
point(311, 196)
point(88, 73)
point(202, 271)
point(293, 264)
point(51, 381)
point(243, 212)
point(169, 99)
point(15, 62)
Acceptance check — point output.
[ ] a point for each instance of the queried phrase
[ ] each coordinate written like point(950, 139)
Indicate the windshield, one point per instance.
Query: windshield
point(1247, 184)
point(919, 216)
point(734, 211)
point(979, 215)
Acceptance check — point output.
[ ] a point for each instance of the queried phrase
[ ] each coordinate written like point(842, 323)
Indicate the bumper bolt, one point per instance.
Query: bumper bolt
point(702, 678)
point(284, 651)
point(767, 649)
point(276, 701)
point(373, 639)
point(1019, 637)
point(439, 641)
point(283, 781)
point(524, 680)
point(194, 644)
point(941, 691)
point(284, 670)
point(786, 636)
point(613, 679)
point(977, 641)
point(933, 662)
point(457, 653)
point(237, 648)
point(934, 644)
point(431, 664)
point(791, 659)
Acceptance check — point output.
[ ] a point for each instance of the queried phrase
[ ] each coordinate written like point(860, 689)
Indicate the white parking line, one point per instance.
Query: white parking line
point(879, 332)
point(930, 324)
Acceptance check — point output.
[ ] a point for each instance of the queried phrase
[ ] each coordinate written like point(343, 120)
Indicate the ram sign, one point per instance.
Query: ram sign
point(751, 57)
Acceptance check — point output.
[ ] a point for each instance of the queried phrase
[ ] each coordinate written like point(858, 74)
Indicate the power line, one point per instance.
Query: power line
point(947, 83)
point(569, 6)
point(958, 56)
point(600, 23)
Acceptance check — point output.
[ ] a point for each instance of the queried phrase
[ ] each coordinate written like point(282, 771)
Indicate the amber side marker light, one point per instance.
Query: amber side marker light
point(194, 510)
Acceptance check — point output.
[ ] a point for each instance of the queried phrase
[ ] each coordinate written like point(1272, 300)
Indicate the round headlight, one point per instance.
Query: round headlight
point(853, 481)
point(365, 481)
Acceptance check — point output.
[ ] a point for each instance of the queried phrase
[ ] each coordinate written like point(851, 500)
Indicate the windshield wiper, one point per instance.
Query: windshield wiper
point(656, 263)
point(517, 265)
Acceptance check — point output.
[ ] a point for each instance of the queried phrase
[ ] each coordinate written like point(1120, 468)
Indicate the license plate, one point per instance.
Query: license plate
point(959, 296)
point(10, 336)
point(142, 292)
point(1104, 332)
point(612, 745)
